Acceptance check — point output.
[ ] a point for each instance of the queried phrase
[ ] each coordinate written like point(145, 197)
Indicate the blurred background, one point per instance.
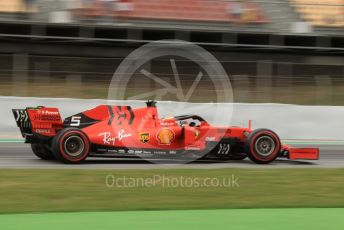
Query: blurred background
point(273, 51)
point(285, 51)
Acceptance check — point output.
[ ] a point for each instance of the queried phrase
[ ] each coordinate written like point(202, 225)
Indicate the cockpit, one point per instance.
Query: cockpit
point(190, 120)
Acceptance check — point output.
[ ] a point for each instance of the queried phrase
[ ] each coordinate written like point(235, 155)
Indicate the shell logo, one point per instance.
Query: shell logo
point(165, 136)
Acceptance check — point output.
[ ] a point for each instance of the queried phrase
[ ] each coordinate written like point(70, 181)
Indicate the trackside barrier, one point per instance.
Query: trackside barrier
point(289, 121)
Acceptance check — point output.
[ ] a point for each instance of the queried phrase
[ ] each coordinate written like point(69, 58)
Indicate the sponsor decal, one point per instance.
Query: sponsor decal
point(165, 136)
point(147, 152)
point(121, 151)
point(160, 152)
point(44, 131)
point(102, 150)
point(210, 138)
point(108, 139)
point(143, 153)
point(130, 151)
point(144, 137)
point(192, 148)
point(113, 150)
point(47, 115)
point(173, 152)
point(46, 112)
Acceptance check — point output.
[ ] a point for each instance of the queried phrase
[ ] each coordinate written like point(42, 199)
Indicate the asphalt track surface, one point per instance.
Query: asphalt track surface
point(19, 155)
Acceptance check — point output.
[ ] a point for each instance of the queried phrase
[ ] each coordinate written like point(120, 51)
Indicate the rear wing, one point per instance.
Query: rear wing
point(38, 121)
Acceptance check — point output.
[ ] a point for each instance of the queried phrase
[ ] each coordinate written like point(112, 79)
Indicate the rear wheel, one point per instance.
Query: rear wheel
point(42, 151)
point(71, 146)
point(263, 146)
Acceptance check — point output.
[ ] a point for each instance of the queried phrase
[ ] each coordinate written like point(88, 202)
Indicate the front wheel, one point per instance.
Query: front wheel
point(262, 146)
point(71, 146)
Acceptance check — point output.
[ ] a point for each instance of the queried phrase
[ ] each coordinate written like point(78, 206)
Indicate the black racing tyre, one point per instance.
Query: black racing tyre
point(237, 156)
point(42, 151)
point(71, 146)
point(262, 146)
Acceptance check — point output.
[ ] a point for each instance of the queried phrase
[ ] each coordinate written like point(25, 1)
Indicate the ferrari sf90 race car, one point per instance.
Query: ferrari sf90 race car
point(120, 131)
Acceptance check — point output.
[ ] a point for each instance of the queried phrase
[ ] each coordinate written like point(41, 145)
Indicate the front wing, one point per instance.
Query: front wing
point(300, 153)
point(304, 153)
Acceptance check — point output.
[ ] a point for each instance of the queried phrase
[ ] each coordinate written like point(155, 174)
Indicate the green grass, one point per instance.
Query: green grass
point(23, 191)
point(239, 219)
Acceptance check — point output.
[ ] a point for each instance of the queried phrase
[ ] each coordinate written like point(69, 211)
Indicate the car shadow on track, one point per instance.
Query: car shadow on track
point(202, 162)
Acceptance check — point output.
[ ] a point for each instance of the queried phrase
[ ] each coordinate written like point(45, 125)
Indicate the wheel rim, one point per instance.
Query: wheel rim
point(74, 146)
point(265, 146)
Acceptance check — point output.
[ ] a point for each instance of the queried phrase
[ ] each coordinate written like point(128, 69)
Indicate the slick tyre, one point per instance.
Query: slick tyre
point(262, 146)
point(42, 151)
point(71, 146)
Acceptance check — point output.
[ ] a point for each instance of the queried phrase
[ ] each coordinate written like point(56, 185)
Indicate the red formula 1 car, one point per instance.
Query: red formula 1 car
point(120, 131)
